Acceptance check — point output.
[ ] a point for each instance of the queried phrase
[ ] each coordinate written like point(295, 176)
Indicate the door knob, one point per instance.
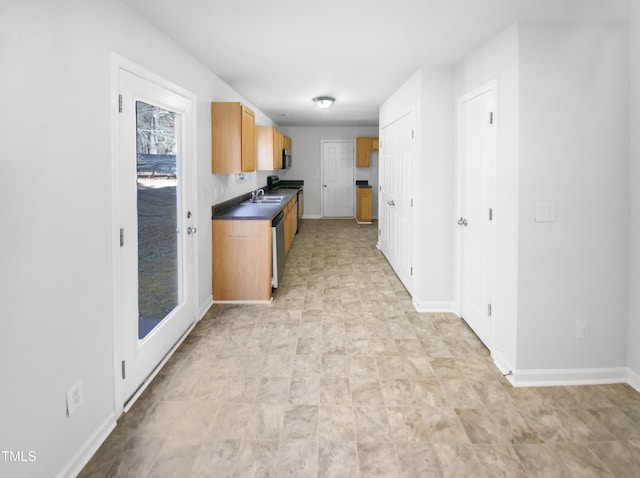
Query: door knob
point(191, 230)
point(462, 222)
point(391, 202)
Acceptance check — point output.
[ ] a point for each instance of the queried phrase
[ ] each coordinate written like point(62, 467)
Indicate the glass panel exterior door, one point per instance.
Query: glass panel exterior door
point(155, 299)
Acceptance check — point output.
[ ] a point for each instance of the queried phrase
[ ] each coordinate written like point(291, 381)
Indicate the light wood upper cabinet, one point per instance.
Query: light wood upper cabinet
point(233, 138)
point(288, 144)
point(271, 142)
point(248, 140)
point(375, 145)
point(268, 145)
point(364, 148)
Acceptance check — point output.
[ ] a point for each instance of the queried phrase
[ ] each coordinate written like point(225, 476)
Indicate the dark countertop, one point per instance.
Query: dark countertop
point(362, 183)
point(234, 209)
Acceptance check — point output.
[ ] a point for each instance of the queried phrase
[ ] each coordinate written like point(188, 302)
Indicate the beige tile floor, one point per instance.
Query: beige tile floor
point(340, 377)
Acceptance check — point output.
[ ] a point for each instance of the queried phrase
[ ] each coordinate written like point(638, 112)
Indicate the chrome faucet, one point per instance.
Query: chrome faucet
point(258, 193)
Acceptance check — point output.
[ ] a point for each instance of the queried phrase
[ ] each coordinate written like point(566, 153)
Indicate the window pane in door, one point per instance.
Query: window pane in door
point(157, 190)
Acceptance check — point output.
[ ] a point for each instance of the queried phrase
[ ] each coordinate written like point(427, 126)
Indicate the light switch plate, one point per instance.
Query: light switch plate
point(545, 212)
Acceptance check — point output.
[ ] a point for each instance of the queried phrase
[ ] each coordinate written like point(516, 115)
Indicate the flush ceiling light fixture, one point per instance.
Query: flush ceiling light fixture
point(323, 102)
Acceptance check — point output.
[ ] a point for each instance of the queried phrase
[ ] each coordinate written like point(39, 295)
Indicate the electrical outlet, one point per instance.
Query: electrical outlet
point(75, 397)
point(582, 329)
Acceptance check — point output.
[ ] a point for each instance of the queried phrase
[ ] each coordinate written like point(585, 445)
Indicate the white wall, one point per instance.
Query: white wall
point(55, 164)
point(434, 194)
point(429, 93)
point(633, 334)
point(498, 60)
point(574, 114)
point(307, 155)
point(562, 137)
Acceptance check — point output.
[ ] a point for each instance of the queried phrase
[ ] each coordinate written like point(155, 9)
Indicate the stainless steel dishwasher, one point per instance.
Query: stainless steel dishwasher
point(278, 254)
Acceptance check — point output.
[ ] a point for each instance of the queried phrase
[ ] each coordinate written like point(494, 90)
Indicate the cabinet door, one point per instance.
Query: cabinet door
point(375, 145)
point(233, 142)
point(288, 144)
point(363, 148)
point(226, 132)
point(248, 140)
point(288, 237)
point(264, 147)
point(364, 204)
point(278, 146)
point(241, 260)
point(294, 215)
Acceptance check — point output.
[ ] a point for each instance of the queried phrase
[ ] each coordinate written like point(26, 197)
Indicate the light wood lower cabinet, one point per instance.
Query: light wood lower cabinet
point(241, 259)
point(363, 205)
point(290, 223)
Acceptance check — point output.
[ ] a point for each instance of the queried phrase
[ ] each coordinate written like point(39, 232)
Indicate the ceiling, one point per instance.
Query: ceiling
point(279, 54)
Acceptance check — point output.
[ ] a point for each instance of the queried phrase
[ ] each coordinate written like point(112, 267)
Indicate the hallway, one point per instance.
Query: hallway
point(340, 377)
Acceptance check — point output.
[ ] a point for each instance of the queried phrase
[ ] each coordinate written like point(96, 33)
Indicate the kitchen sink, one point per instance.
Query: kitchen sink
point(267, 200)
point(271, 198)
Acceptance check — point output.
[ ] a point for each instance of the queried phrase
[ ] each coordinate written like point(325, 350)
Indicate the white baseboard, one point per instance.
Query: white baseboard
point(312, 216)
point(82, 457)
point(565, 377)
point(633, 379)
point(426, 306)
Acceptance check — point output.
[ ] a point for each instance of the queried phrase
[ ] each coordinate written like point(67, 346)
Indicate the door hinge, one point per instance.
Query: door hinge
point(411, 202)
point(380, 188)
point(379, 232)
point(412, 271)
point(121, 237)
point(491, 117)
point(489, 310)
point(411, 134)
point(124, 374)
point(490, 214)
point(119, 103)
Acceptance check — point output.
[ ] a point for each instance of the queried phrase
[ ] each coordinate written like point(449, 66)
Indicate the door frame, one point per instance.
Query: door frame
point(121, 402)
point(322, 143)
point(489, 86)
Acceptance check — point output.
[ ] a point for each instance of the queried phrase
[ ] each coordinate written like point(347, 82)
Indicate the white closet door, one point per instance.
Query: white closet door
point(476, 222)
point(395, 209)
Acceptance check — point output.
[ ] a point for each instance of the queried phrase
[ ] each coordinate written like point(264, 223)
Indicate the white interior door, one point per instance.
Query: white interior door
point(395, 199)
point(155, 269)
point(476, 222)
point(338, 163)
